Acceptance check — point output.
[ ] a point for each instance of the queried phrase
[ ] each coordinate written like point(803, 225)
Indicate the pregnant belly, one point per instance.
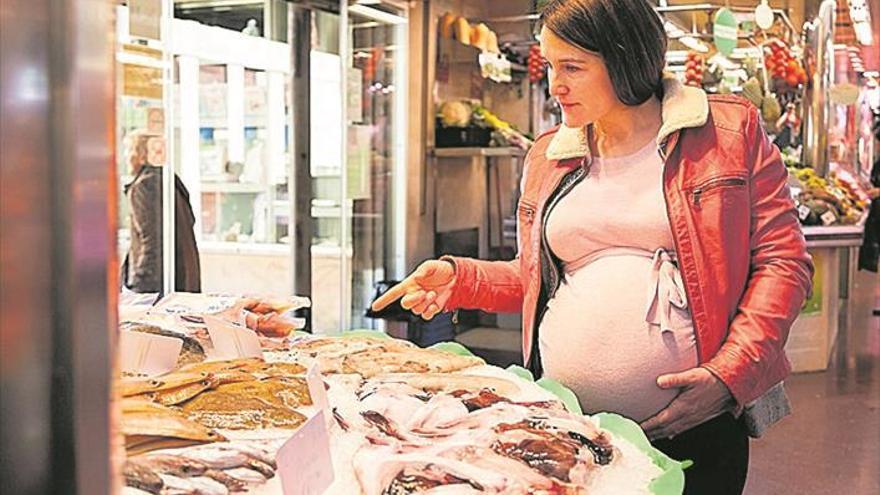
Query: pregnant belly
point(595, 340)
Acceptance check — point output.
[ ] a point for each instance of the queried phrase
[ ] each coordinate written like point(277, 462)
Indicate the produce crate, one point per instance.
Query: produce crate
point(457, 137)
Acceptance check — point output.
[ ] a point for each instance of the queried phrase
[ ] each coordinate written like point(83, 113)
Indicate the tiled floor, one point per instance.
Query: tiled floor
point(831, 442)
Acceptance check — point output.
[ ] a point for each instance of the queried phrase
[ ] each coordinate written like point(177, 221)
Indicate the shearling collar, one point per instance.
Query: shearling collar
point(683, 107)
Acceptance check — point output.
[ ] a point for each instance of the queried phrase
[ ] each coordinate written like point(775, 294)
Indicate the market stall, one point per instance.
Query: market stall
point(239, 411)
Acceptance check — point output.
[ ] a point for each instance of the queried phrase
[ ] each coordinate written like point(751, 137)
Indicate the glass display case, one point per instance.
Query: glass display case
point(242, 147)
point(228, 98)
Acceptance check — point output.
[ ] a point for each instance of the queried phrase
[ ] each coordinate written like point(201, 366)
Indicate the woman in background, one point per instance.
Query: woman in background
point(142, 268)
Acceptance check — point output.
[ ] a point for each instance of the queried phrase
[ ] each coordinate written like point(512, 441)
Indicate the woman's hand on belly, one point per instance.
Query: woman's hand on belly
point(702, 397)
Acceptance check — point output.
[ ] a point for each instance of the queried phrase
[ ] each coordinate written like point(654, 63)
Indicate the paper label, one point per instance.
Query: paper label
point(232, 341)
point(148, 354)
point(803, 212)
point(828, 217)
point(304, 462)
point(316, 388)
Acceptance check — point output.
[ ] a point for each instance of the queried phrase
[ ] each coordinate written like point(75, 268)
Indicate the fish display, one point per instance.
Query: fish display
point(369, 357)
point(218, 468)
point(405, 420)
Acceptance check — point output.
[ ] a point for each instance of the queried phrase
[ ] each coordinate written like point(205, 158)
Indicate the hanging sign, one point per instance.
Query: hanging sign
point(144, 18)
point(764, 15)
point(844, 94)
point(724, 31)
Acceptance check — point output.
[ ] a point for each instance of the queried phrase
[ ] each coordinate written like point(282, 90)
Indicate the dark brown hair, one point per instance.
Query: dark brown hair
point(628, 34)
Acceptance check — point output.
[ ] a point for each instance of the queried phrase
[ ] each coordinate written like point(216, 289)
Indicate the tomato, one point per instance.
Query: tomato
point(792, 79)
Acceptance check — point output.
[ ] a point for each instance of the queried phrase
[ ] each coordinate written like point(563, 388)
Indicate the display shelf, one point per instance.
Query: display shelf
point(834, 236)
point(233, 187)
point(475, 151)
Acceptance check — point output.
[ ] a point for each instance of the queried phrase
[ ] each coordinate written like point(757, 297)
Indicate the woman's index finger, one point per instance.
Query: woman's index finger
point(391, 295)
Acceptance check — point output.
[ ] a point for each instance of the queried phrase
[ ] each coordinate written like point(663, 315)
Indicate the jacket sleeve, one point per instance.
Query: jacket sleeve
point(146, 218)
point(492, 286)
point(779, 281)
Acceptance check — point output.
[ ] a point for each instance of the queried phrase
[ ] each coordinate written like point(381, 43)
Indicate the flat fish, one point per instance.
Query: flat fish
point(170, 397)
point(131, 388)
point(150, 426)
point(266, 403)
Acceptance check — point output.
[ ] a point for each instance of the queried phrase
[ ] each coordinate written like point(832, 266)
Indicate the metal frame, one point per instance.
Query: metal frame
point(58, 269)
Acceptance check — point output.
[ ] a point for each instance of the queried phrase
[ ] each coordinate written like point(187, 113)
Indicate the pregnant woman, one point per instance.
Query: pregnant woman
point(661, 263)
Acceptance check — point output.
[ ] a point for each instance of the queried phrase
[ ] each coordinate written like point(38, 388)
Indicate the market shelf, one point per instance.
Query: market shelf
point(834, 236)
point(475, 151)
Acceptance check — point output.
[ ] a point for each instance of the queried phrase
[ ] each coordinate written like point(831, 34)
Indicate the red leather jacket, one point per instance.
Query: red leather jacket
point(740, 248)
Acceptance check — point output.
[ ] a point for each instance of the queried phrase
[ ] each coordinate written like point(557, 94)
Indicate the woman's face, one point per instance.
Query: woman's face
point(156, 151)
point(579, 81)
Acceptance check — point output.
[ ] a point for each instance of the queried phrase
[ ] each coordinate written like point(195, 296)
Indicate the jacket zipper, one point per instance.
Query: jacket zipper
point(529, 211)
point(677, 243)
point(566, 183)
point(714, 183)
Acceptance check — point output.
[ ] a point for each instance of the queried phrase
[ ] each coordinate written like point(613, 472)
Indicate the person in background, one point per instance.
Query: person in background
point(661, 263)
point(788, 126)
point(869, 253)
point(142, 268)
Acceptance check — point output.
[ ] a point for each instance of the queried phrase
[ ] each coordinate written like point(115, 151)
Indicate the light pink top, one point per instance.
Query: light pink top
point(620, 317)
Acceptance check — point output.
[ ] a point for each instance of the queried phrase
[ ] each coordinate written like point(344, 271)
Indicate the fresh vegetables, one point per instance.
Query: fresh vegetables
point(509, 134)
point(458, 113)
point(695, 67)
point(455, 114)
point(537, 68)
point(835, 200)
point(784, 68)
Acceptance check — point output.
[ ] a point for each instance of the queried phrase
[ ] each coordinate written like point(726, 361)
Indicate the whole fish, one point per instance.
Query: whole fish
point(217, 457)
point(177, 486)
point(232, 484)
point(138, 476)
point(208, 486)
point(173, 464)
point(246, 475)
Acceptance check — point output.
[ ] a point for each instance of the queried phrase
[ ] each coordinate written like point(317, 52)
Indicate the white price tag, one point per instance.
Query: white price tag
point(803, 212)
point(316, 388)
point(232, 341)
point(304, 462)
point(147, 354)
point(828, 217)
